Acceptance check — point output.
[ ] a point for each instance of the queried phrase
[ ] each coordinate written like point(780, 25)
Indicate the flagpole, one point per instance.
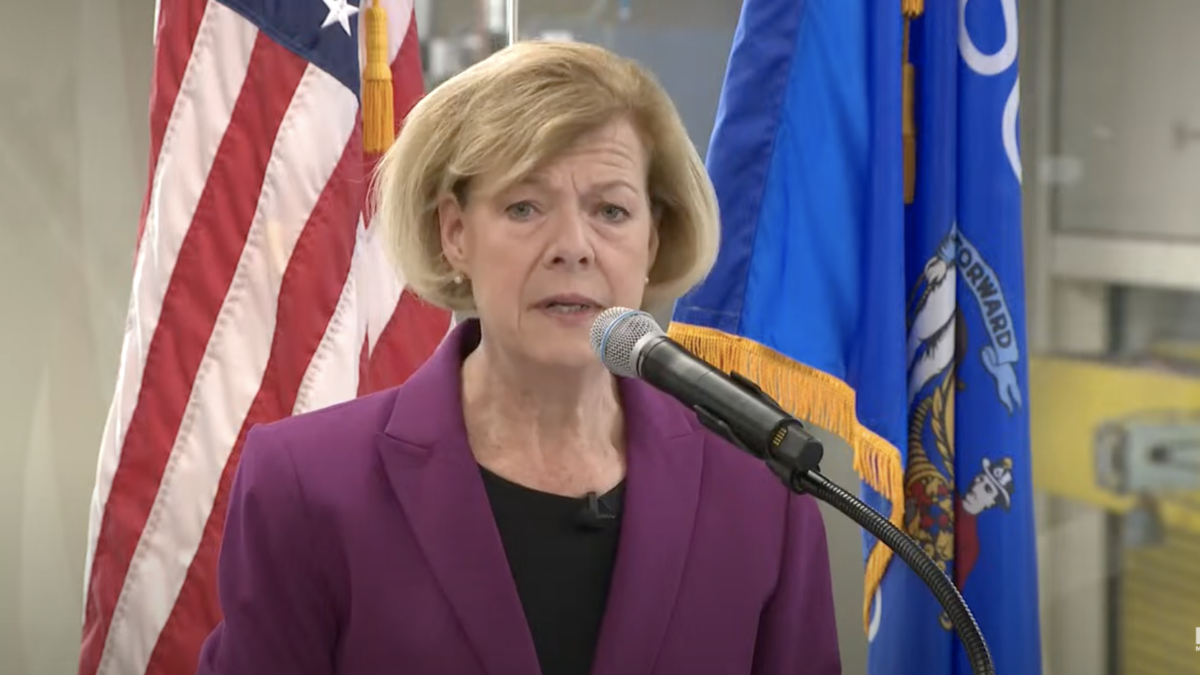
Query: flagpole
point(510, 12)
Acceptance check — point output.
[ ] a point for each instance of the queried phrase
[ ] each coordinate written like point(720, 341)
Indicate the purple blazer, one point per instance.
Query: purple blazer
point(360, 541)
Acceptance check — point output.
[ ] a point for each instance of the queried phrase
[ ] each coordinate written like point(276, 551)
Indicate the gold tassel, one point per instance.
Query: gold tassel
point(379, 125)
point(911, 9)
point(908, 124)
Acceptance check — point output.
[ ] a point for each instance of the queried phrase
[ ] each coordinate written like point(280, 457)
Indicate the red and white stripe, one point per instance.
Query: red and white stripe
point(256, 287)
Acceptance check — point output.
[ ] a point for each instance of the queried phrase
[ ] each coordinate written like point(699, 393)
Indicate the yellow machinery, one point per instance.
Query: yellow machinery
point(1126, 438)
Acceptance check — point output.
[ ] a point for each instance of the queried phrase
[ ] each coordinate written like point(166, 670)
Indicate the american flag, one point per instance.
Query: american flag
point(260, 290)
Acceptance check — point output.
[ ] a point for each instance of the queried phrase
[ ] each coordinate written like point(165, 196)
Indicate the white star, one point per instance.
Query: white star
point(340, 11)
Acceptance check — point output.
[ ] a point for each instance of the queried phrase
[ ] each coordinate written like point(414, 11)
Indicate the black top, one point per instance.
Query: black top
point(561, 553)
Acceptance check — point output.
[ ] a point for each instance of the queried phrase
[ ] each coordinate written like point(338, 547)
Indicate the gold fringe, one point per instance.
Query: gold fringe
point(379, 124)
point(911, 8)
point(823, 400)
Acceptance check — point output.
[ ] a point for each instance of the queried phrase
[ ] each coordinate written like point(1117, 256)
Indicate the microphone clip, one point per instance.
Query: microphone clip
point(595, 514)
point(792, 452)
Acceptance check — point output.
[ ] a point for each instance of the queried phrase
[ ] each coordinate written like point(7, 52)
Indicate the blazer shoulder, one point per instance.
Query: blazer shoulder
point(741, 469)
point(338, 433)
point(732, 467)
point(731, 470)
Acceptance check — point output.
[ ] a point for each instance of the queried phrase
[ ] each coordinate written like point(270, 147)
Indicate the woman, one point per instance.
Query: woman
point(444, 527)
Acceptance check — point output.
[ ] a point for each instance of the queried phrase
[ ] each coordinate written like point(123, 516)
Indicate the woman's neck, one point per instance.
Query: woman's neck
point(551, 424)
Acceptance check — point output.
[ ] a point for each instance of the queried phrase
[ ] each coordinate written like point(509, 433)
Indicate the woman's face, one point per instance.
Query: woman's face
point(546, 256)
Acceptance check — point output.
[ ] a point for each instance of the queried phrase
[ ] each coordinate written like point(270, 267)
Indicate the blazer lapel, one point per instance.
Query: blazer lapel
point(430, 466)
point(665, 458)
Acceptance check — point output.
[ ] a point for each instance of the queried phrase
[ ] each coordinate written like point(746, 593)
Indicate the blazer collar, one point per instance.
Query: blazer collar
point(665, 456)
point(434, 475)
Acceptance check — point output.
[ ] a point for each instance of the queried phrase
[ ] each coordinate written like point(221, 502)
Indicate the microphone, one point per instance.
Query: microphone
point(630, 343)
point(595, 514)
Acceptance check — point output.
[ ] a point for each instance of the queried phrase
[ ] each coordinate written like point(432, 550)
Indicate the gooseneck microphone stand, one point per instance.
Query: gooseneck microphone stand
point(794, 455)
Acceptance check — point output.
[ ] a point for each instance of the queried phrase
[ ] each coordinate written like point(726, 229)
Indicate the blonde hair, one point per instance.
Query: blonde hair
point(517, 110)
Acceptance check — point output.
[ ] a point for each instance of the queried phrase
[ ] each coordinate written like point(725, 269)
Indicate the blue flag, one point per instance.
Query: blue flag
point(870, 279)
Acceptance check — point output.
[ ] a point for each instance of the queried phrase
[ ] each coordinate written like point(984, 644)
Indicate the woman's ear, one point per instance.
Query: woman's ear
point(653, 247)
point(452, 230)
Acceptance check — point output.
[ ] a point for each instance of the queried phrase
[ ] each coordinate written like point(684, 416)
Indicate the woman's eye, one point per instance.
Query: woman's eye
point(613, 213)
point(520, 210)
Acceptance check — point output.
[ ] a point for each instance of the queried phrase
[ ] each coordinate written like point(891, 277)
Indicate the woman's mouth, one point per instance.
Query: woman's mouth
point(570, 305)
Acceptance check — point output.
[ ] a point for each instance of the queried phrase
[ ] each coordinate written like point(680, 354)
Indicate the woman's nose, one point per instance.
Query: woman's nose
point(571, 243)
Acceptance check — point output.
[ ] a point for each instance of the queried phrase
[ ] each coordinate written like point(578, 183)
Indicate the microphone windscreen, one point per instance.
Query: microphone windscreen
point(615, 333)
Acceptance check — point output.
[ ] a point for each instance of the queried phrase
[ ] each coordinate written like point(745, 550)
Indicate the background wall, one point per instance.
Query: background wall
point(1129, 150)
point(73, 77)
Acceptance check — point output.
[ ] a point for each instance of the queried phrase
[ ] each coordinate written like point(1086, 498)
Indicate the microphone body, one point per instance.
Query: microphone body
point(669, 367)
point(630, 343)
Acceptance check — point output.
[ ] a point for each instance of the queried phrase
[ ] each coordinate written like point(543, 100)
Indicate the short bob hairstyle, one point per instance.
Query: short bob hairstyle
point(516, 111)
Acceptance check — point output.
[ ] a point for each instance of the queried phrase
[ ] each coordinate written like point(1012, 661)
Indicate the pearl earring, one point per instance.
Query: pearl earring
point(458, 279)
point(647, 281)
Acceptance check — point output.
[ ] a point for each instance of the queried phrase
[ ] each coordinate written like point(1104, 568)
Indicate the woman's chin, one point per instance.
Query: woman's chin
point(566, 353)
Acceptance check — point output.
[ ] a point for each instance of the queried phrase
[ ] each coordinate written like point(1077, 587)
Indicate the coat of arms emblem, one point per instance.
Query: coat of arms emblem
point(938, 515)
